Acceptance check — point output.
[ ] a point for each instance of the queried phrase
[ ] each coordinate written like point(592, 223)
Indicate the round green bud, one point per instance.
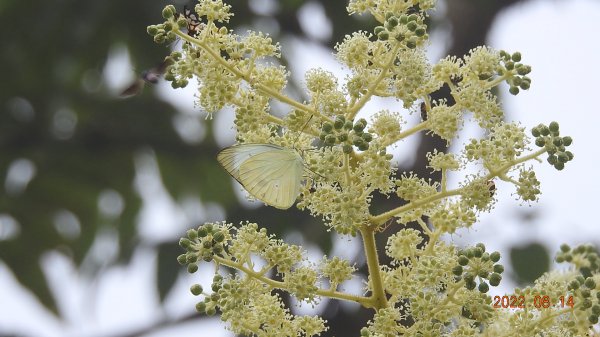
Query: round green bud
point(191, 258)
point(469, 277)
point(152, 30)
point(524, 70)
point(559, 259)
point(590, 283)
point(469, 253)
point(182, 259)
point(504, 54)
point(495, 256)
point(214, 297)
point(329, 140)
point(516, 81)
point(217, 250)
point(470, 285)
point(559, 166)
point(514, 90)
point(411, 44)
point(399, 37)
point(478, 252)
point(182, 23)
point(218, 278)
point(218, 237)
point(357, 141)
point(557, 141)
point(201, 307)
point(553, 127)
point(207, 244)
point(420, 32)
point(535, 132)
point(498, 268)
point(383, 36)
point(347, 148)
point(541, 142)
point(358, 127)
point(185, 243)
point(211, 311)
point(202, 231)
point(552, 159)
point(562, 157)
point(567, 140)
point(586, 303)
point(196, 289)
point(327, 127)
point(378, 29)
point(573, 285)
point(480, 246)
point(495, 279)
point(348, 125)
point(525, 85)
point(364, 332)
point(363, 146)
point(457, 270)
point(509, 65)
point(403, 19)
point(545, 130)
point(159, 38)
point(168, 27)
point(192, 268)
point(516, 56)
point(463, 260)
point(322, 135)
point(596, 309)
point(593, 319)
point(392, 22)
point(570, 154)
point(367, 137)
point(483, 273)
point(207, 256)
point(342, 137)
point(413, 17)
point(168, 12)
point(483, 287)
point(585, 293)
point(192, 234)
point(388, 15)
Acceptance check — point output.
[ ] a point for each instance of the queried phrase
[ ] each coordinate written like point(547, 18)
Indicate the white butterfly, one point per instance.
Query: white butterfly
point(270, 173)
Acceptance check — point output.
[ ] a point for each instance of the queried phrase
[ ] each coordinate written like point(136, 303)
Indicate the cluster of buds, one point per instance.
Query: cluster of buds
point(474, 263)
point(549, 137)
point(346, 133)
point(409, 29)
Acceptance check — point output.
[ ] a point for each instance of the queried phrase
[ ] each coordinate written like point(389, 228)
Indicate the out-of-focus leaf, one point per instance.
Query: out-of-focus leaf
point(168, 268)
point(529, 262)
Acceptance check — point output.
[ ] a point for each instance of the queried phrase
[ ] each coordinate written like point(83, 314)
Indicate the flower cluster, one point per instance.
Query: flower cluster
point(441, 289)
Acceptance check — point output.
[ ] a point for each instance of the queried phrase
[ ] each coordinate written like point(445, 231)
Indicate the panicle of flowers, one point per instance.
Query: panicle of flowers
point(440, 289)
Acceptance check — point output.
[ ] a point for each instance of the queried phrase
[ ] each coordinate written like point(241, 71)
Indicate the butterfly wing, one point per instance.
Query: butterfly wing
point(231, 158)
point(273, 177)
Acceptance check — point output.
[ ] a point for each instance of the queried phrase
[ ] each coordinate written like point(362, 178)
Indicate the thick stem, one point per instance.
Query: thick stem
point(378, 298)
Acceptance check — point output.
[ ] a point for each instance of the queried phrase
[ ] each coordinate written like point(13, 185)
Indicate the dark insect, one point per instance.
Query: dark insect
point(491, 187)
point(423, 111)
point(150, 76)
point(194, 25)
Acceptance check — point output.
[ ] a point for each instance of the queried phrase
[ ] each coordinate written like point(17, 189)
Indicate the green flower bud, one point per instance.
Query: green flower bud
point(420, 32)
point(553, 126)
point(463, 260)
point(412, 17)
point(218, 237)
point(514, 90)
point(559, 166)
point(191, 258)
point(535, 132)
point(363, 146)
point(168, 12)
point(182, 23)
point(516, 56)
point(562, 157)
point(509, 65)
point(498, 268)
point(185, 243)
point(590, 283)
point(322, 135)
point(470, 285)
point(152, 30)
point(593, 319)
point(495, 279)
point(399, 37)
point(483, 273)
point(192, 234)
point(545, 130)
point(457, 270)
point(211, 311)
point(567, 141)
point(411, 44)
point(329, 140)
point(327, 127)
point(383, 36)
point(202, 231)
point(201, 307)
point(541, 142)
point(524, 70)
point(339, 122)
point(342, 137)
point(392, 22)
point(495, 256)
point(483, 287)
point(480, 246)
point(347, 148)
point(367, 137)
point(196, 289)
point(182, 259)
point(192, 268)
point(348, 125)
point(378, 29)
point(403, 19)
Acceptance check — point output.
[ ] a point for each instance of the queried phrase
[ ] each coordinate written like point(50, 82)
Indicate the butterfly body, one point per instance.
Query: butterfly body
point(270, 173)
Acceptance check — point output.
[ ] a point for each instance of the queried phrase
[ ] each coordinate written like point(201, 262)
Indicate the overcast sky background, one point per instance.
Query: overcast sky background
point(557, 38)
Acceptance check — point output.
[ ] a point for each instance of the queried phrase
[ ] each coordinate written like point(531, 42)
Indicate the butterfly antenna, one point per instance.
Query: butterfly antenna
point(303, 127)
